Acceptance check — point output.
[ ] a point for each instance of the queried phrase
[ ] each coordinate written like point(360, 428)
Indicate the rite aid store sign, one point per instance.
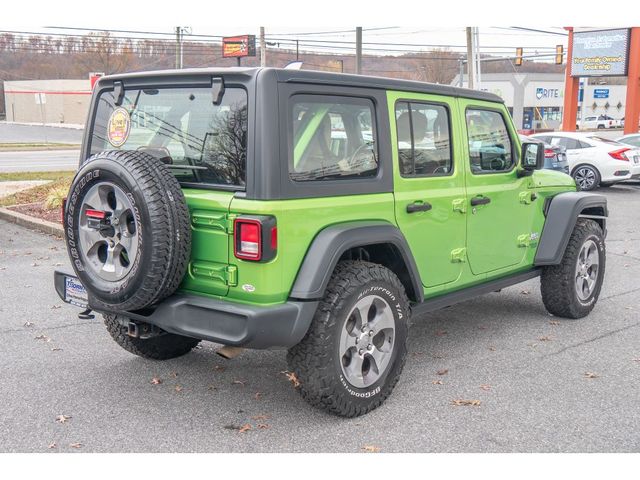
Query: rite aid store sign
point(544, 94)
point(600, 53)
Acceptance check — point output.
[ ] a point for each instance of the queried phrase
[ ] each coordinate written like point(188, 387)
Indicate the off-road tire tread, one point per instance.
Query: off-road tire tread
point(308, 359)
point(170, 221)
point(163, 347)
point(557, 281)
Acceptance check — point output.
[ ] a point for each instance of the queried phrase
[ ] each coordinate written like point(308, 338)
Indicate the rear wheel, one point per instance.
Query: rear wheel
point(352, 356)
point(571, 289)
point(587, 177)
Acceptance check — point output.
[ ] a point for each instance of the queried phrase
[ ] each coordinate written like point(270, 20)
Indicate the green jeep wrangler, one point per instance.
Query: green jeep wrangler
point(315, 212)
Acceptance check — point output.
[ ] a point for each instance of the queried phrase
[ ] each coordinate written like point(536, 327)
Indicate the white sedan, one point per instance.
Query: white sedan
point(595, 161)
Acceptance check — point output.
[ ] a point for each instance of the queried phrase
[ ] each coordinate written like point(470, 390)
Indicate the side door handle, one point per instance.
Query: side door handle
point(419, 207)
point(480, 200)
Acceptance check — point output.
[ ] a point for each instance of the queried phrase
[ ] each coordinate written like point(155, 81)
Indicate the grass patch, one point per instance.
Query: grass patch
point(14, 176)
point(40, 193)
point(38, 146)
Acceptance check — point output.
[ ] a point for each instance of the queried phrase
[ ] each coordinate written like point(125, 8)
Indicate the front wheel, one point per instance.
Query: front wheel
point(587, 178)
point(571, 289)
point(352, 356)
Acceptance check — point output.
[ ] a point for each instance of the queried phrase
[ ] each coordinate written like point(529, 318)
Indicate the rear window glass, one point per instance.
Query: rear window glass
point(199, 141)
point(333, 138)
point(605, 140)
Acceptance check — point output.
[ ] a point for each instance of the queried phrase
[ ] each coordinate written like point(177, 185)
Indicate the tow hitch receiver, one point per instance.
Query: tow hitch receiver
point(142, 330)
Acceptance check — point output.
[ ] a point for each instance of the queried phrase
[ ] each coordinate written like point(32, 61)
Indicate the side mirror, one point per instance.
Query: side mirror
point(532, 157)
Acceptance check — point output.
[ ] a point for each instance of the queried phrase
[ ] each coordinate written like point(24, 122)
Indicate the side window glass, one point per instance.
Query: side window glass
point(333, 138)
point(490, 146)
point(424, 141)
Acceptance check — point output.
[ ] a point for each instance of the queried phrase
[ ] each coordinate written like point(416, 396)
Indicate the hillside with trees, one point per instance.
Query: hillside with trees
point(30, 57)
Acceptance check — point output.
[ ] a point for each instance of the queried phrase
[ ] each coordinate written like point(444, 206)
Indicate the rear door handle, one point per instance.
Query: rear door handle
point(419, 207)
point(480, 200)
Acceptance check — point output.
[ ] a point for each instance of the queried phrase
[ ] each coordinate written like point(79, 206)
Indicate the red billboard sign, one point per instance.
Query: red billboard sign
point(239, 46)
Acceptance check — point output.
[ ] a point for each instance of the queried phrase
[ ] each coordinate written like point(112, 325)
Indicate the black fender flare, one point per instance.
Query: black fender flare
point(562, 212)
point(329, 245)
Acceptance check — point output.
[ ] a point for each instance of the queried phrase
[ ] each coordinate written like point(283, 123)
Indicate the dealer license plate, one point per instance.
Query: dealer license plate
point(75, 293)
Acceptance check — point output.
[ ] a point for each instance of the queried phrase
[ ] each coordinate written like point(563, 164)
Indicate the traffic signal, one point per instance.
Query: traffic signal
point(559, 54)
point(518, 56)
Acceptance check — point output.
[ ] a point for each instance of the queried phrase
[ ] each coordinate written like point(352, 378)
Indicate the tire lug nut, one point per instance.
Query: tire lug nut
point(371, 333)
point(369, 347)
point(361, 351)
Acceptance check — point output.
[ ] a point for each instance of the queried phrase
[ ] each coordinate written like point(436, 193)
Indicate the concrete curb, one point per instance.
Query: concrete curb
point(31, 222)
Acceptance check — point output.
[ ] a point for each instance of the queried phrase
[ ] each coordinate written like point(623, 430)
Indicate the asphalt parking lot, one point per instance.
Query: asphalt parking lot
point(544, 384)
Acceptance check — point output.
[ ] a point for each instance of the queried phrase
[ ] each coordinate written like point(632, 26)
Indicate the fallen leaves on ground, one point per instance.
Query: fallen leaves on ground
point(178, 388)
point(442, 372)
point(437, 382)
point(156, 381)
point(440, 333)
point(485, 387)
point(42, 337)
point(545, 339)
point(257, 395)
point(52, 445)
point(591, 375)
point(466, 403)
point(554, 322)
point(63, 418)
point(525, 292)
point(75, 445)
point(292, 377)
point(29, 324)
point(492, 348)
point(263, 426)
point(56, 349)
point(261, 417)
point(246, 427)
point(173, 374)
point(238, 382)
point(219, 368)
point(371, 449)
point(438, 356)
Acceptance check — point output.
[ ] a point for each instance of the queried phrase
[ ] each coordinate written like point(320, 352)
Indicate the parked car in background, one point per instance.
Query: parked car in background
point(555, 157)
point(595, 161)
point(633, 140)
point(599, 122)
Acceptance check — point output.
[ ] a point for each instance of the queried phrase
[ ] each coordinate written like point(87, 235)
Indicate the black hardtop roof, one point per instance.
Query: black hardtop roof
point(324, 78)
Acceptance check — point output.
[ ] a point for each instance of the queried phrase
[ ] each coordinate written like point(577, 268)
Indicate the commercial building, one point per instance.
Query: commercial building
point(535, 100)
point(47, 101)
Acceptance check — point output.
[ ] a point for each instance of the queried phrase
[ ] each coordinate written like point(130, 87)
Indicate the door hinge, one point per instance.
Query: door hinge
point(227, 274)
point(528, 239)
point(528, 197)
point(459, 255)
point(230, 219)
point(459, 205)
point(232, 275)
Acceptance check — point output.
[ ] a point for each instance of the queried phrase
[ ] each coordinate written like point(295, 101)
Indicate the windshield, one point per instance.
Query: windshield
point(199, 141)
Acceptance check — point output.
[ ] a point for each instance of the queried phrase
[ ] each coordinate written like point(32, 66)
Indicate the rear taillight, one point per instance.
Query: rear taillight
point(548, 153)
point(255, 238)
point(619, 154)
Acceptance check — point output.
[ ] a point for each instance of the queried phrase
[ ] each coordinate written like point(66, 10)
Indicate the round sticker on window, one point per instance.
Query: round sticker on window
point(118, 127)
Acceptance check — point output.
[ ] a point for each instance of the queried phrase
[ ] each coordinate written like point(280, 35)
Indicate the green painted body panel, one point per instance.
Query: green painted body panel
point(433, 235)
point(209, 271)
point(454, 248)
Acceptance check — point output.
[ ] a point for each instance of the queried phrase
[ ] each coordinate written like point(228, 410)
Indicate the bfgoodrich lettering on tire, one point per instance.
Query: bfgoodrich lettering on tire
point(352, 356)
point(571, 289)
point(127, 229)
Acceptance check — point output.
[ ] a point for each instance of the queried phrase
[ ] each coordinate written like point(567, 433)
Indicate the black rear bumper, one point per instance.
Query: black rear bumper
point(222, 321)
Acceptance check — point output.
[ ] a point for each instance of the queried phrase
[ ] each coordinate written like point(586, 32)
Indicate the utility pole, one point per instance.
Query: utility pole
point(178, 46)
point(476, 52)
point(470, 62)
point(180, 31)
point(461, 75)
point(297, 50)
point(358, 50)
point(263, 49)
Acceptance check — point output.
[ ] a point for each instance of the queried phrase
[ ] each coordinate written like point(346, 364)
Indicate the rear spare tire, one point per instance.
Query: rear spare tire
point(127, 230)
